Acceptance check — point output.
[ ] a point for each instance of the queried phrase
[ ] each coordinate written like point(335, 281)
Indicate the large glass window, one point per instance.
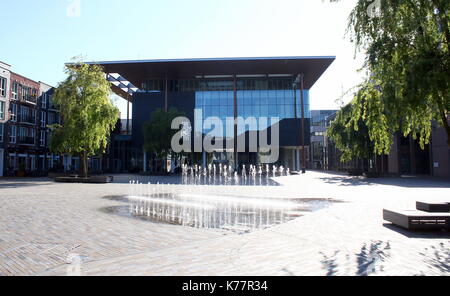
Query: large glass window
point(42, 139)
point(15, 91)
point(13, 134)
point(43, 119)
point(25, 92)
point(13, 112)
point(3, 86)
point(44, 101)
point(251, 103)
point(2, 110)
point(25, 114)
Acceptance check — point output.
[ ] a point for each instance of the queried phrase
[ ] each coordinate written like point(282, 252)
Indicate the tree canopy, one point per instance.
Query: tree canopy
point(406, 44)
point(351, 136)
point(158, 133)
point(87, 112)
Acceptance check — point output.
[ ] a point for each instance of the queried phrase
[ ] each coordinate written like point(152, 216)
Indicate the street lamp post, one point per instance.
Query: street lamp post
point(299, 81)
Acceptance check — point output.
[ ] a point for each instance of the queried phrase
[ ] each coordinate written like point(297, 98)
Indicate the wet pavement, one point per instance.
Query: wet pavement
point(238, 214)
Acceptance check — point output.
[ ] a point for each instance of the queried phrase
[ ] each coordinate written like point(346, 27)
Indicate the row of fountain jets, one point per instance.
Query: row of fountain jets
point(228, 171)
point(177, 205)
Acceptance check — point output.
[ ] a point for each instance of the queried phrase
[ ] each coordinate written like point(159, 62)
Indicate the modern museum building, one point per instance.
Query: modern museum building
point(218, 89)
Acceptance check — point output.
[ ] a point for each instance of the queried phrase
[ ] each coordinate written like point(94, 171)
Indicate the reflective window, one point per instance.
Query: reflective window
point(3, 86)
point(2, 110)
point(251, 103)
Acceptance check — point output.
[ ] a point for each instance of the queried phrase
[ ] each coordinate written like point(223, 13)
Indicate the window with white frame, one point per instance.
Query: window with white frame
point(44, 101)
point(43, 119)
point(33, 162)
point(42, 139)
point(3, 87)
point(13, 112)
point(24, 113)
point(2, 127)
point(15, 91)
point(25, 92)
point(33, 116)
point(13, 134)
point(51, 118)
point(22, 133)
point(2, 110)
point(12, 161)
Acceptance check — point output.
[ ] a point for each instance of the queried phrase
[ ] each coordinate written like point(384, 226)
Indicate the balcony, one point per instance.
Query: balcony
point(26, 141)
point(27, 119)
point(30, 99)
point(53, 107)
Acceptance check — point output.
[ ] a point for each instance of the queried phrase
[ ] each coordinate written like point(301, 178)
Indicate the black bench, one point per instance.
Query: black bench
point(443, 207)
point(418, 220)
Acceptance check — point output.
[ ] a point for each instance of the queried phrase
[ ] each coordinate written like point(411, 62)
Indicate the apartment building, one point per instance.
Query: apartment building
point(5, 77)
point(26, 111)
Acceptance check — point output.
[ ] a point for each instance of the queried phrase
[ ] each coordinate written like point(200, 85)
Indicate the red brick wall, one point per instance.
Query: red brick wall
point(23, 81)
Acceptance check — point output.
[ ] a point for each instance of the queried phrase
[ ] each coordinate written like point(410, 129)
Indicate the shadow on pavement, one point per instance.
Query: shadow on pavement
point(438, 257)
point(437, 234)
point(17, 183)
point(369, 259)
point(407, 182)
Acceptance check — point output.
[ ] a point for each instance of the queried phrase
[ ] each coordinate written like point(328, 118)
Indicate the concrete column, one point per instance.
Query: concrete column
point(298, 164)
point(204, 158)
point(293, 162)
point(145, 162)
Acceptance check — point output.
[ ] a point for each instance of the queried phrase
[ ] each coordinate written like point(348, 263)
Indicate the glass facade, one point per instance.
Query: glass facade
point(258, 96)
point(318, 117)
point(250, 103)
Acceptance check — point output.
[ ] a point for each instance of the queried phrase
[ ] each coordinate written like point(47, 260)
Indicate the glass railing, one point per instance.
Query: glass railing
point(30, 99)
point(52, 106)
point(27, 119)
point(26, 140)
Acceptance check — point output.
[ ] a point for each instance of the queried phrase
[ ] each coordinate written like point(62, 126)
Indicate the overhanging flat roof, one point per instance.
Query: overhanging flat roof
point(137, 71)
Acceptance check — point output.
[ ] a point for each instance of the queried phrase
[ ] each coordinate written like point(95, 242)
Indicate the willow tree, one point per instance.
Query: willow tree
point(406, 45)
point(88, 115)
point(350, 133)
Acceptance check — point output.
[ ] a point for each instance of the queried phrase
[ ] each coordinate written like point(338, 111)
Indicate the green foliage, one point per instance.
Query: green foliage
point(350, 133)
point(407, 56)
point(158, 133)
point(87, 112)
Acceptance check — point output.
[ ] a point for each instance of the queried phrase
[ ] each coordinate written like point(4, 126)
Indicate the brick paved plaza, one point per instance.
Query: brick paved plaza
point(43, 222)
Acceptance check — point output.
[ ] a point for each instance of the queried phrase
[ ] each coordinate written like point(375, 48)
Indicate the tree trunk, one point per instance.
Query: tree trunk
point(446, 125)
point(442, 15)
point(83, 165)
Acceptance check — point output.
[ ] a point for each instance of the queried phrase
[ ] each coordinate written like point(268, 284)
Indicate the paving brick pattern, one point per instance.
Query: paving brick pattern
point(42, 223)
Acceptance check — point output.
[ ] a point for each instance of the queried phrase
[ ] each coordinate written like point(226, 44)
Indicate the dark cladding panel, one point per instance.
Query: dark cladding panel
point(290, 132)
point(143, 105)
point(184, 102)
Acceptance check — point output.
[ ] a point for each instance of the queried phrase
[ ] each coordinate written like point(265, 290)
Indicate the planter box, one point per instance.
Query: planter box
point(56, 175)
point(371, 175)
point(91, 180)
point(418, 220)
point(433, 207)
point(355, 172)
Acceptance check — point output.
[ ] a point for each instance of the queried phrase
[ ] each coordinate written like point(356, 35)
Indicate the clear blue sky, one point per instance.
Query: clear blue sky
point(42, 36)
